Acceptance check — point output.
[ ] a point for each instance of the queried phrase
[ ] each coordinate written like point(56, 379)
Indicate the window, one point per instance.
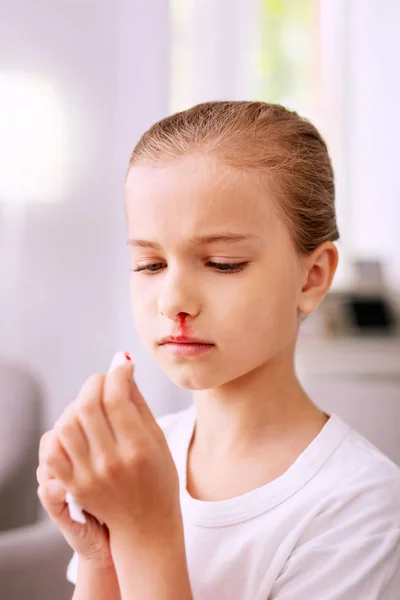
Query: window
point(283, 51)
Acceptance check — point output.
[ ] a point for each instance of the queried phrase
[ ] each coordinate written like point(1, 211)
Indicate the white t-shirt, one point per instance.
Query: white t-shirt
point(327, 529)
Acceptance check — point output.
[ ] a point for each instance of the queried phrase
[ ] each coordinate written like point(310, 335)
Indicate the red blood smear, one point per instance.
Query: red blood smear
point(127, 356)
point(183, 328)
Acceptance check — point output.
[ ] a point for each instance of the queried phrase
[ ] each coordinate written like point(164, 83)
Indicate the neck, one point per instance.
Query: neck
point(261, 407)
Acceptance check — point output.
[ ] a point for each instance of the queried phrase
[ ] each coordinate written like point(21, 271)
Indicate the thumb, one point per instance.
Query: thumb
point(124, 359)
point(121, 359)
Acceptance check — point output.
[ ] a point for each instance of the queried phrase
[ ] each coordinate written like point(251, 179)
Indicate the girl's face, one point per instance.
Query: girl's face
point(239, 293)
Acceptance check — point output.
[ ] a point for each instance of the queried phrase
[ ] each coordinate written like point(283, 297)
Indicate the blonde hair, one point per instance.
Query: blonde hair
point(268, 138)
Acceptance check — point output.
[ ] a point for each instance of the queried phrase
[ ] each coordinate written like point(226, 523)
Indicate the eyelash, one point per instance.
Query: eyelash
point(229, 267)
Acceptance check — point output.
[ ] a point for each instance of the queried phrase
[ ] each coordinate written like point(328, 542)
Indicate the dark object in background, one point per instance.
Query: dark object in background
point(370, 314)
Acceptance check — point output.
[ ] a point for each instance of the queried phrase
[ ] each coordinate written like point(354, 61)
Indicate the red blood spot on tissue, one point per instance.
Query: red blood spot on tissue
point(127, 356)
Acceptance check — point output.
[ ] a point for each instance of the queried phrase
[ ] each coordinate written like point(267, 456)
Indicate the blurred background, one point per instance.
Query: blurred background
point(80, 81)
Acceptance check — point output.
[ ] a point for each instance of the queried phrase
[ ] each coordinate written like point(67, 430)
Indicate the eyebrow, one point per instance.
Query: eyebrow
point(229, 238)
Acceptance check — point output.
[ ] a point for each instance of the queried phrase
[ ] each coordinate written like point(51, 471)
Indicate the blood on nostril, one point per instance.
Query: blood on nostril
point(183, 327)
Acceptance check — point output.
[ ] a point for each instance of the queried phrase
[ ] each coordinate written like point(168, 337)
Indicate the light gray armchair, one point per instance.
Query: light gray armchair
point(33, 553)
point(33, 563)
point(21, 410)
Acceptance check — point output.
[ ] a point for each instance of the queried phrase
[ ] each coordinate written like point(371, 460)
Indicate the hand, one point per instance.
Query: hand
point(90, 541)
point(110, 453)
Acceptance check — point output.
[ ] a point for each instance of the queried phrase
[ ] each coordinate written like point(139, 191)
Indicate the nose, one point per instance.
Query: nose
point(178, 294)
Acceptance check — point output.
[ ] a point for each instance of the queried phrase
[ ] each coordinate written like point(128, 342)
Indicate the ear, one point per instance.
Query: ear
point(319, 267)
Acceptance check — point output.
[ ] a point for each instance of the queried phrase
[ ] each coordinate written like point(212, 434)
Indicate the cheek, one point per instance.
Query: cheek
point(141, 308)
point(278, 318)
point(141, 294)
point(260, 313)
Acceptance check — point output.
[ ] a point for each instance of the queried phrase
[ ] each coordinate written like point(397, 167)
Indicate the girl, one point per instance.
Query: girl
point(252, 493)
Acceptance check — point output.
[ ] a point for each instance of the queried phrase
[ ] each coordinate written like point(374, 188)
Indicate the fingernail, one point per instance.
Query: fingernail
point(129, 366)
point(120, 358)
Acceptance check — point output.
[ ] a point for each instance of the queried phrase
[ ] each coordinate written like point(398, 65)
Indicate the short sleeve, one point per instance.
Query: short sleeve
point(368, 567)
point(353, 552)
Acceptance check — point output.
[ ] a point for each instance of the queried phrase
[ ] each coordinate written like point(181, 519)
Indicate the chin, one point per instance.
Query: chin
point(190, 381)
point(192, 377)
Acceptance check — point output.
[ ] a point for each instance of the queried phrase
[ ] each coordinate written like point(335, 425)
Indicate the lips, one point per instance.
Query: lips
point(186, 347)
point(183, 339)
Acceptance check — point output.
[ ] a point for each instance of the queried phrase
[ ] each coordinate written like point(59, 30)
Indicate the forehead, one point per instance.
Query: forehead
point(194, 195)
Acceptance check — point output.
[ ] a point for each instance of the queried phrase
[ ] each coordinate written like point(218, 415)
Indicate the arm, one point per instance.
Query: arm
point(153, 568)
point(96, 583)
point(158, 571)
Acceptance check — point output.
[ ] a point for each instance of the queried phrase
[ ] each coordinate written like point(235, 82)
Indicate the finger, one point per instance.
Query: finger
point(144, 411)
point(120, 358)
point(58, 463)
point(52, 496)
point(121, 412)
point(94, 421)
point(73, 442)
point(43, 474)
point(50, 451)
point(45, 444)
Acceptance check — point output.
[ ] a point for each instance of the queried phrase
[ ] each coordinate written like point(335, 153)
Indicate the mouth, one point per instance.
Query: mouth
point(186, 346)
point(184, 339)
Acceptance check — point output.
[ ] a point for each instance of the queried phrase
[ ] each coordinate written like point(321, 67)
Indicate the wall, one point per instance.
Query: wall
point(109, 61)
point(103, 60)
point(374, 130)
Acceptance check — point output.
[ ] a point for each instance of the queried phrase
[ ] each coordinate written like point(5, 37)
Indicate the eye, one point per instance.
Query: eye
point(153, 268)
point(228, 267)
point(221, 267)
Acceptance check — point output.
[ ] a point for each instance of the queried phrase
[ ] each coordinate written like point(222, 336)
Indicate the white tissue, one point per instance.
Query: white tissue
point(76, 509)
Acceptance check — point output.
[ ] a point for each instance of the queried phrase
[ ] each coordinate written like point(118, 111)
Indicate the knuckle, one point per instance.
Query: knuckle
point(46, 437)
point(51, 457)
point(50, 463)
point(111, 400)
point(42, 474)
point(84, 488)
point(48, 453)
point(98, 376)
point(136, 457)
point(44, 443)
point(107, 466)
point(91, 385)
point(41, 495)
point(65, 428)
point(95, 379)
point(88, 405)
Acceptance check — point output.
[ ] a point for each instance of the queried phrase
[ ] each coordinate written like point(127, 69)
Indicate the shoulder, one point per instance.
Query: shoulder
point(360, 491)
point(376, 473)
point(347, 538)
point(367, 463)
point(355, 457)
